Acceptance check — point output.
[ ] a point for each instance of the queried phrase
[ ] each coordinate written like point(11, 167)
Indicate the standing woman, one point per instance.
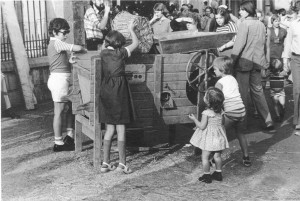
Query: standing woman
point(225, 25)
point(249, 58)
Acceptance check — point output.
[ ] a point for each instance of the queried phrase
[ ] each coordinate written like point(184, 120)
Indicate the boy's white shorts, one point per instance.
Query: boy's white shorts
point(59, 83)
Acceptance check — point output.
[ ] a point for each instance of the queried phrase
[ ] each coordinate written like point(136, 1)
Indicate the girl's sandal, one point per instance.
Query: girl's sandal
point(123, 168)
point(105, 167)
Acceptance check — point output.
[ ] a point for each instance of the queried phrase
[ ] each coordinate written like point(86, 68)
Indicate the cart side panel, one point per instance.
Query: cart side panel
point(174, 82)
point(142, 93)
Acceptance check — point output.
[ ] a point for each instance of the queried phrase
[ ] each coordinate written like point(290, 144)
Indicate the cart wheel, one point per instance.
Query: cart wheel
point(195, 74)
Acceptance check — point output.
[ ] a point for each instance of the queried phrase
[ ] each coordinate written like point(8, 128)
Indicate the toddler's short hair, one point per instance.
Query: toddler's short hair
point(224, 64)
point(114, 39)
point(215, 99)
point(56, 25)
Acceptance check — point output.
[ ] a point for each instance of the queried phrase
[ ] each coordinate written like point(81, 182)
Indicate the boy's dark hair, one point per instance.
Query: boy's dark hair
point(114, 39)
point(282, 11)
point(215, 99)
point(224, 13)
point(249, 7)
point(56, 25)
point(224, 64)
point(209, 8)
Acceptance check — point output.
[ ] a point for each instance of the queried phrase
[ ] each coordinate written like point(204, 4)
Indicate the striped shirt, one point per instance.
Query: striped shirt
point(58, 57)
point(92, 21)
point(227, 28)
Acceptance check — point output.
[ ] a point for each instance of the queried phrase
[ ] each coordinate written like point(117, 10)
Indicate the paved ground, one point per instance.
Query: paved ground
point(31, 171)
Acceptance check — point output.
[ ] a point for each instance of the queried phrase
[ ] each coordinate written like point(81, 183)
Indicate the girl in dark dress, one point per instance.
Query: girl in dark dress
point(115, 107)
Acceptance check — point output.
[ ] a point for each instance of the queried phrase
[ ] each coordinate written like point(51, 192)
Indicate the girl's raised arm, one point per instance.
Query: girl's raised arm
point(135, 41)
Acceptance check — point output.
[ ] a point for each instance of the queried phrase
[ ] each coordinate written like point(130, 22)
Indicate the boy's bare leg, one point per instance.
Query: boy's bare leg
point(57, 120)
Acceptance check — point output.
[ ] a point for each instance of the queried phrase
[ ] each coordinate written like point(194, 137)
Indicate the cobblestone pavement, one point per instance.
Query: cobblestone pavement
point(31, 171)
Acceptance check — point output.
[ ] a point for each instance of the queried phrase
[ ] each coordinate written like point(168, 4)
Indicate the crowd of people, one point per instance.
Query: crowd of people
point(262, 49)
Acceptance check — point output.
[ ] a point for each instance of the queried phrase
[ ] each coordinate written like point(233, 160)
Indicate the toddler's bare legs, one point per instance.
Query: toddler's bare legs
point(205, 161)
point(218, 160)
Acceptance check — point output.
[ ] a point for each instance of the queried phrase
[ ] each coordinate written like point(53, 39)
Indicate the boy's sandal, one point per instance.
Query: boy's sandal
point(246, 161)
point(123, 168)
point(105, 167)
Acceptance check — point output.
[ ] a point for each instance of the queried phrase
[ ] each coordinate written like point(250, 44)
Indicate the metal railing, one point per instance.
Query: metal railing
point(32, 17)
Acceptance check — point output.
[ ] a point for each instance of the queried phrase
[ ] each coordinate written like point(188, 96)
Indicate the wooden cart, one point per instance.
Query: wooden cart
point(158, 84)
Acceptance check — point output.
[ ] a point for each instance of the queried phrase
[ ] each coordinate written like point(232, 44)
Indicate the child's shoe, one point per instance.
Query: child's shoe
point(105, 167)
point(69, 141)
point(123, 168)
point(246, 161)
point(206, 178)
point(64, 147)
point(217, 176)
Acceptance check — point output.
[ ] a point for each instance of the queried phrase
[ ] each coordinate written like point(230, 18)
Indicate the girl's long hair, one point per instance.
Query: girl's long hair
point(215, 99)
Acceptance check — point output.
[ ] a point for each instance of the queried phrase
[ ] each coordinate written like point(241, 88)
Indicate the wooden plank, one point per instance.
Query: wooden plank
point(84, 84)
point(141, 59)
point(78, 136)
point(180, 111)
point(141, 122)
point(176, 93)
point(182, 102)
point(88, 131)
point(181, 119)
point(178, 76)
point(19, 51)
point(97, 128)
point(143, 104)
point(186, 41)
point(177, 58)
point(145, 87)
point(158, 82)
point(142, 96)
point(82, 72)
point(145, 113)
point(176, 85)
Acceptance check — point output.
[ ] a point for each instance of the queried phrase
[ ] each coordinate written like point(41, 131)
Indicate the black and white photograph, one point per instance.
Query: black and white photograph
point(151, 100)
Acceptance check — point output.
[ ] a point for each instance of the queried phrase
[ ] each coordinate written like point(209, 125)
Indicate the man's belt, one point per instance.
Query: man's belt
point(92, 43)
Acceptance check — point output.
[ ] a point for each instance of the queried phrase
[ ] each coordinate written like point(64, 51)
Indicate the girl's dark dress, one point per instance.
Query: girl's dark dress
point(115, 106)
